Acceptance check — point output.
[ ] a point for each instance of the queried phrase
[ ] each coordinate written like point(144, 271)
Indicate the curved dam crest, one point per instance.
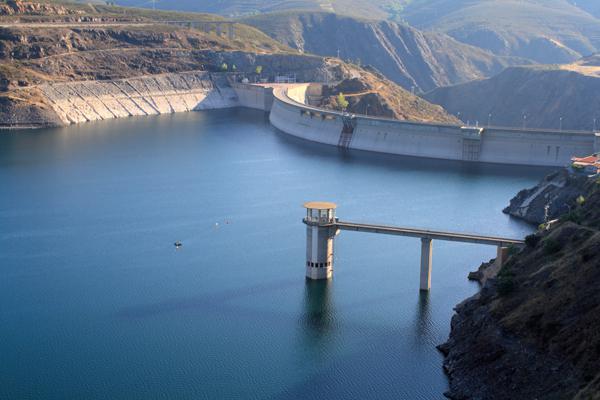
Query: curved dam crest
point(77, 102)
point(497, 145)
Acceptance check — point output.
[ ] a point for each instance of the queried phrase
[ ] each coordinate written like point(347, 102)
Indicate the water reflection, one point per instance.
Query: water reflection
point(318, 319)
point(423, 321)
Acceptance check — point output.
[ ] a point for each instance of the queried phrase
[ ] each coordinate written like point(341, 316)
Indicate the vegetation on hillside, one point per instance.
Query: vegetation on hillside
point(534, 331)
point(369, 93)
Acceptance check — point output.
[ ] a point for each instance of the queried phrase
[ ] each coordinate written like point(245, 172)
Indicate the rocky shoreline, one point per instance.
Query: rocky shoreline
point(554, 196)
point(533, 331)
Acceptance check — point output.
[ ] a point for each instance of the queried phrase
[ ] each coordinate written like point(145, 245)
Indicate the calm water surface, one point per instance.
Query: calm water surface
point(96, 303)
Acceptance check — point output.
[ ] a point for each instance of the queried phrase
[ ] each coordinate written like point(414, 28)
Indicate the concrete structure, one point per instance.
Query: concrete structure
point(258, 97)
point(292, 115)
point(76, 102)
point(323, 226)
point(320, 232)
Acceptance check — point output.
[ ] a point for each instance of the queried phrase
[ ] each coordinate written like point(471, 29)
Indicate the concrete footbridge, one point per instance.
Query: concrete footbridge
point(323, 227)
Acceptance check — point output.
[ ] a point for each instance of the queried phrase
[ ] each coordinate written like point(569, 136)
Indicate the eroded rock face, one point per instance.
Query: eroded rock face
point(554, 196)
point(533, 332)
point(17, 7)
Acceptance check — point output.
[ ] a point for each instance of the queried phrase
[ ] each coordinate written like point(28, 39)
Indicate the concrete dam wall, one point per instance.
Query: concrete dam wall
point(493, 145)
point(76, 102)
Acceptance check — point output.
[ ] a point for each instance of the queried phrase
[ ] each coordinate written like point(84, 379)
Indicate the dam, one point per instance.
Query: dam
point(535, 147)
point(290, 111)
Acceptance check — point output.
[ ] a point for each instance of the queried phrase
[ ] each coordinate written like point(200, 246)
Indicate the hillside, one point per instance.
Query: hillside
point(536, 97)
point(547, 31)
point(533, 331)
point(409, 57)
point(373, 9)
point(48, 70)
point(371, 94)
point(590, 6)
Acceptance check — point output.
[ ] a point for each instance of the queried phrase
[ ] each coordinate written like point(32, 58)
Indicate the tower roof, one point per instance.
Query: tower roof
point(320, 205)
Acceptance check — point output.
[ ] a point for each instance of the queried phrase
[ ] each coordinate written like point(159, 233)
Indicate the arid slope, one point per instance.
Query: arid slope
point(409, 57)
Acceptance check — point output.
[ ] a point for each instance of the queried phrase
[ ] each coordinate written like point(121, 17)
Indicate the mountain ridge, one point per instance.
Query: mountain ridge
point(414, 59)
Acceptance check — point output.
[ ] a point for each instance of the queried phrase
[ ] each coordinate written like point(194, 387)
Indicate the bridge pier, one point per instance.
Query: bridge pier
point(501, 255)
point(322, 227)
point(426, 257)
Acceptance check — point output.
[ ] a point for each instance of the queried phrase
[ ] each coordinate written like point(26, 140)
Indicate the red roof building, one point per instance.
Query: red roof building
point(589, 163)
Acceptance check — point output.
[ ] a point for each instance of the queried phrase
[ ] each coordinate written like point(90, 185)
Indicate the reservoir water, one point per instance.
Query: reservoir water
point(96, 302)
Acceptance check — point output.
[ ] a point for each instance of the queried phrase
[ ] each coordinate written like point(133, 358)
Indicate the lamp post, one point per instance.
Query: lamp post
point(560, 124)
point(524, 121)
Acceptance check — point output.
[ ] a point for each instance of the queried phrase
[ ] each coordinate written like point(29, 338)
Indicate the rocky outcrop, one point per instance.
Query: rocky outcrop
point(554, 196)
point(533, 330)
point(17, 7)
point(30, 110)
point(372, 94)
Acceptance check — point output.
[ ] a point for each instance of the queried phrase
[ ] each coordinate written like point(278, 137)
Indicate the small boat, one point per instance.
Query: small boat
point(178, 244)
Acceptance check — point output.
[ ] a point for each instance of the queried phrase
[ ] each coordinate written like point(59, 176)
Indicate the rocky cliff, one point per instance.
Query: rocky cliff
point(414, 59)
point(533, 330)
point(554, 196)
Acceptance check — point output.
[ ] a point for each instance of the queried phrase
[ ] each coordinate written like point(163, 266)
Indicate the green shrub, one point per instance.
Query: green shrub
point(532, 240)
point(572, 216)
point(342, 102)
point(505, 281)
point(551, 246)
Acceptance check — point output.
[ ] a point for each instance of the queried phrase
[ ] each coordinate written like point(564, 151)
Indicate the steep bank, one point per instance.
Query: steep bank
point(554, 196)
point(535, 97)
point(413, 59)
point(533, 331)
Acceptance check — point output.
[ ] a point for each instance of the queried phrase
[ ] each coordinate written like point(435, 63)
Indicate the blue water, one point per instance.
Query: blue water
point(96, 302)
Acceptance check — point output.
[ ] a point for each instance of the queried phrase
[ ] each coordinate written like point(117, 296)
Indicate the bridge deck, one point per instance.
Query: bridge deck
point(422, 233)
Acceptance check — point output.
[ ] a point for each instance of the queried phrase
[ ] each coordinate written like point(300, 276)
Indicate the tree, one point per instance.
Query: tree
point(259, 69)
point(234, 67)
point(224, 67)
point(342, 102)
